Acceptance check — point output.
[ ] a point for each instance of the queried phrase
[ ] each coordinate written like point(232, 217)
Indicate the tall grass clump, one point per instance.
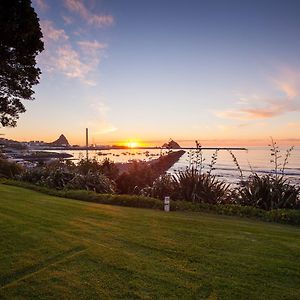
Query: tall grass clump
point(191, 185)
point(273, 190)
point(194, 184)
point(269, 192)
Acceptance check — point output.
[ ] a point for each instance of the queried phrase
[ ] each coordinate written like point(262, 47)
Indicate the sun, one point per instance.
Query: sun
point(132, 144)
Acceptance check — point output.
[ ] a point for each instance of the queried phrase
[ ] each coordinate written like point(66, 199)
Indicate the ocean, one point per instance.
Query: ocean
point(254, 159)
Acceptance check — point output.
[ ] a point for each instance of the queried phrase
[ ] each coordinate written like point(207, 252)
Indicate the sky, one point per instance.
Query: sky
point(222, 72)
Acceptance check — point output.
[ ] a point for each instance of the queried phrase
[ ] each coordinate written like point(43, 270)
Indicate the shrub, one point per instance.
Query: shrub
point(109, 169)
point(60, 175)
point(284, 216)
point(96, 182)
point(91, 196)
point(191, 185)
point(58, 179)
point(141, 175)
point(33, 175)
point(88, 165)
point(138, 176)
point(9, 169)
point(106, 167)
point(269, 192)
point(162, 186)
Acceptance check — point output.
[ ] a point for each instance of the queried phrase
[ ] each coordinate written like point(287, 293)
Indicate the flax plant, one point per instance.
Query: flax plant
point(286, 159)
point(213, 162)
point(235, 161)
point(275, 156)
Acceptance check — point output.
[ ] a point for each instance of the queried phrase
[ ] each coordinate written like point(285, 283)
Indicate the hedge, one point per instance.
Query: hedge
point(284, 216)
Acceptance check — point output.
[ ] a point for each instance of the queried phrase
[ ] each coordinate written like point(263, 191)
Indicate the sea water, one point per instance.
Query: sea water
point(254, 159)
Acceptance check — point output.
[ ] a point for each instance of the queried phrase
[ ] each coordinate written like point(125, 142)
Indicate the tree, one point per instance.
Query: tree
point(20, 43)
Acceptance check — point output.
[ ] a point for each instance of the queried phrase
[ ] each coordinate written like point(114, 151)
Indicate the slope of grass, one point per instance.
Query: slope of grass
point(59, 248)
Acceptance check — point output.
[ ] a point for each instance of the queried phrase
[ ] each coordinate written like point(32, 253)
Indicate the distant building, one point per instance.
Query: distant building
point(36, 143)
point(5, 143)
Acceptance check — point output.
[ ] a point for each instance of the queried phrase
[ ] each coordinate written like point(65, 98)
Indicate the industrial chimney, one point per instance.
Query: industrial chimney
point(87, 137)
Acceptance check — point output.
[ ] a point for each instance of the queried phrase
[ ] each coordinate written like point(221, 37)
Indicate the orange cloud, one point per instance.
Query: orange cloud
point(290, 89)
point(288, 82)
point(259, 108)
point(269, 110)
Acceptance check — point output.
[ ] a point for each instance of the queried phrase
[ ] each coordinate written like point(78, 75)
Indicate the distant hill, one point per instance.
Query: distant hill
point(61, 141)
point(171, 145)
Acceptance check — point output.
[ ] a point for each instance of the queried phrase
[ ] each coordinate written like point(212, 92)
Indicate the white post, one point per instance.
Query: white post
point(167, 204)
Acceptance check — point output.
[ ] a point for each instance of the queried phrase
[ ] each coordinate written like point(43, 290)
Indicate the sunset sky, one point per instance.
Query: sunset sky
point(151, 70)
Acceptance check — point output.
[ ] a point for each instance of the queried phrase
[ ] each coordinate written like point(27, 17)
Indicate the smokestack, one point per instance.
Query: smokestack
point(87, 137)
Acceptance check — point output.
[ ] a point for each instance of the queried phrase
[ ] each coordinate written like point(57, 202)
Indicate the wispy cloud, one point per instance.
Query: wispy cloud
point(68, 20)
point(91, 46)
point(51, 33)
point(98, 119)
point(263, 110)
point(289, 88)
point(255, 107)
point(288, 82)
point(78, 6)
point(68, 62)
point(61, 56)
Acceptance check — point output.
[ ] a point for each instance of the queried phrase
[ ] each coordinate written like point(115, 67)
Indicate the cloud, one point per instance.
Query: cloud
point(68, 20)
point(78, 6)
point(41, 4)
point(91, 46)
point(290, 89)
point(255, 107)
point(288, 82)
point(60, 56)
point(268, 110)
point(241, 125)
point(50, 33)
point(97, 122)
point(69, 63)
point(226, 127)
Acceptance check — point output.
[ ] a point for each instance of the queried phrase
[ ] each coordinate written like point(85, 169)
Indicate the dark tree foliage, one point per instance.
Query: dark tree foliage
point(20, 43)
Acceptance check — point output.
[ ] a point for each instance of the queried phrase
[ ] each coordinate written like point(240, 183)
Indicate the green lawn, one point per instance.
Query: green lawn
point(66, 249)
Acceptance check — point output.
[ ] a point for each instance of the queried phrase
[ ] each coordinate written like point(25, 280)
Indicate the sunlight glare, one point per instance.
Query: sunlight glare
point(132, 144)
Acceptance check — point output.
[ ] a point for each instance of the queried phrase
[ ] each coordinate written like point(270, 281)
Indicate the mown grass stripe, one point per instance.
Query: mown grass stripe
point(22, 274)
